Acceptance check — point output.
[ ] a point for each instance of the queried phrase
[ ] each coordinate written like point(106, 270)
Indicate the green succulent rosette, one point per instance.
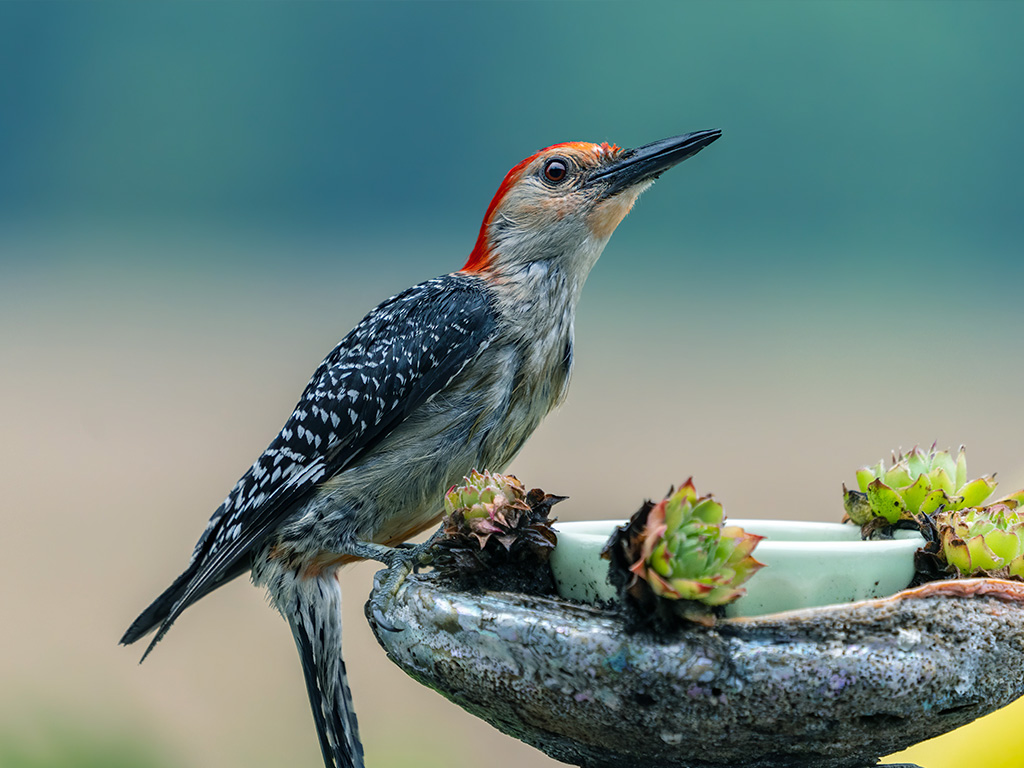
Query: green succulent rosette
point(918, 482)
point(485, 505)
point(688, 554)
point(490, 522)
point(984, 541)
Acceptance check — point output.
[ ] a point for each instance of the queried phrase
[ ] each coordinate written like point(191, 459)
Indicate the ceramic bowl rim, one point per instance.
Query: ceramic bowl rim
point(582, 531)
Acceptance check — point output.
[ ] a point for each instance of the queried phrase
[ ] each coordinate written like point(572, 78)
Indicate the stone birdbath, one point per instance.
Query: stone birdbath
point(834, 686)
point(665, 644)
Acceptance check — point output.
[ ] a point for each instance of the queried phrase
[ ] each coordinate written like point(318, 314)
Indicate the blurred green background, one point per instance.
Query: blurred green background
point(197, 200)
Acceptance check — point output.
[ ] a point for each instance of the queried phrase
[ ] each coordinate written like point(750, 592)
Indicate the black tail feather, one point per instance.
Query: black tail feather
point(162, 611)
point(158, 610)
point(319, 642)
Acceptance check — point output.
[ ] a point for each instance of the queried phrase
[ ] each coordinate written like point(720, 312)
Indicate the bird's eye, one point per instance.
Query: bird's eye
point(555, 170)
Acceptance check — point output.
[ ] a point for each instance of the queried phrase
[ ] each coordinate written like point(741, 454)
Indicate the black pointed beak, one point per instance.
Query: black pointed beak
point(649, 161)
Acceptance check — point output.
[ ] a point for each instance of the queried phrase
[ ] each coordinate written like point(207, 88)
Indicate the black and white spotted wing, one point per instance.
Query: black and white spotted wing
point(403, 353)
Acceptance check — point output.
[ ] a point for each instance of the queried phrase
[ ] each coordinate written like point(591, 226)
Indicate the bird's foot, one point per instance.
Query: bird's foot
point(386, 584)
point(426, 554)
point(401, 560)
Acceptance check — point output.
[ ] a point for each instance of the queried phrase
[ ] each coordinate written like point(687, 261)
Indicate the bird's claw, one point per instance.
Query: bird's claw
point(382, 622)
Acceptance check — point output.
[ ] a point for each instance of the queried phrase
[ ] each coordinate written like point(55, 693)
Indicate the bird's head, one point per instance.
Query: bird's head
point(562, 204)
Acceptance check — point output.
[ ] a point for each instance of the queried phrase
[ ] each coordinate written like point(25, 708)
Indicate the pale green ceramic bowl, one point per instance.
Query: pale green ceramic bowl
point(807, 564)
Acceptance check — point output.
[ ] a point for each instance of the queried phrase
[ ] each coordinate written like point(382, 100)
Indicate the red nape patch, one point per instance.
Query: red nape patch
point(480, 257)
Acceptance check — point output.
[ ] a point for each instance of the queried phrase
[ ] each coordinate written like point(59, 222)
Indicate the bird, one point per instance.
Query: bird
point(448, 376)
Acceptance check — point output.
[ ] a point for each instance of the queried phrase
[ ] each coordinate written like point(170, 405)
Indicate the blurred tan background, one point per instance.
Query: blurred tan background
point(198, 201)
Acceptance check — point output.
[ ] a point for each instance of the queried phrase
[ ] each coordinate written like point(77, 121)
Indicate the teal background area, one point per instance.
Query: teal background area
point(197, 200)
point(873, 123)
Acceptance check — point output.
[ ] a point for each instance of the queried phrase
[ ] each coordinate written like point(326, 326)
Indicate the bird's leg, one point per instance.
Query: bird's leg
point(368, 550)
point(405, 552)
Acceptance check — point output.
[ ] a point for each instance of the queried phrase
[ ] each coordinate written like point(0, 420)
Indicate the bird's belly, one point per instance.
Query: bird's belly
point(397, 489)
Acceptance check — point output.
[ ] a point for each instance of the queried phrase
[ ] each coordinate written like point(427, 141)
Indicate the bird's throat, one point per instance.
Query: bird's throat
point(607, 214)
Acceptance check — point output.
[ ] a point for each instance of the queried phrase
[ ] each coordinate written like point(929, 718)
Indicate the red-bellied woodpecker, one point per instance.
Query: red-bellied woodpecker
point(452, 375)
